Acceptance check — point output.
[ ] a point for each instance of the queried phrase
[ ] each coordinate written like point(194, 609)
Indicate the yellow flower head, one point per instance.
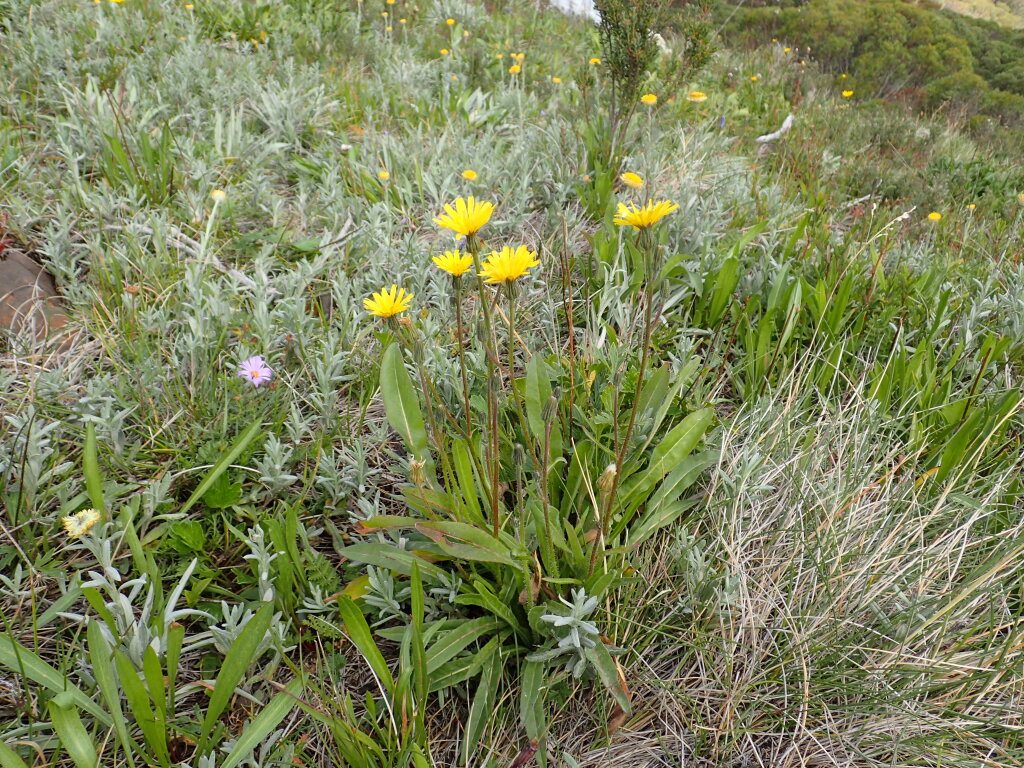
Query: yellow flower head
point(972, 206)
point(935, 216)
point(515, 69)
point(499, 56)
point(847, 94)
point(1020, 198)
point(644, 216)
point(631, 179)
point(389, 302)
point(218, 195)
point(469, 174)
point(80, 523)
point(388, 28)
point(401, 21)
point(444, 51)
point(450, 22)
point(383, 175)
point(843, 76)
point(556, 80)
point(508, 265)
point(649, 99)
point(753, 78)
point(519, 57)
point(786, 50)
point(466, 217)
point(697, 96)
point(595, 61)
point(455, 263)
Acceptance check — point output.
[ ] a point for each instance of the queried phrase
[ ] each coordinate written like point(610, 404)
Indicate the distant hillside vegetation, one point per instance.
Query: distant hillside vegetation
point(919, 52)
point(1009, 13)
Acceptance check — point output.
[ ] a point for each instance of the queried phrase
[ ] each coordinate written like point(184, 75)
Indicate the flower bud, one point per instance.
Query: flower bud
point(417, 473)
point(550, 409)
point(607, 478)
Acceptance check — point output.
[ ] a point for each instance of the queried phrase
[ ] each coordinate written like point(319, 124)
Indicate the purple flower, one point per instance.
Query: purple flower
point(255, 370)
point(721, 122)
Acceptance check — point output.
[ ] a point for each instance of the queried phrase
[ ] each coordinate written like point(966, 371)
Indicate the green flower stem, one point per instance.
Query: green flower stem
point(462, 357)
point(646, 241)
point(493, 457)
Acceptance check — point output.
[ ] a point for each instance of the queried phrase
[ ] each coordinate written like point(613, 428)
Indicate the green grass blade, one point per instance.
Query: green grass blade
point(91, 469)
point(72, 734)
point(225, 461)
point(266, 721)
point(238, 660)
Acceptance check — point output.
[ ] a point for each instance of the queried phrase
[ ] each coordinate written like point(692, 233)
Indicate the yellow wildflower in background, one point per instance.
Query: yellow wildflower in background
point(466, 217)
point(519, 57)
point(971, 206)
point(218, 195)
point(786, 50)
point(843, 76)
point(753, 78)
point(595, 61)
point(455, 263)
point(515, 69)
point(508, 265)
point(935, 216)
point(388, 303)
point(469, 174)
point(649, 99)
point(631, 179)
point(556, 80)
point(644, 216)
point(80, 523)
point(444, 51)
point(696, 96)
point(383, 175)
point(1020, 198)
point(450, 22)
point(847, 94)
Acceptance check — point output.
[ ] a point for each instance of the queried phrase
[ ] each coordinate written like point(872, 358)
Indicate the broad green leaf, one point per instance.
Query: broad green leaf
point(388, 556)
point(225, 461)
point(482, 708)
point(451, 643)
point(400, 402)
point(72, 734)
point(462, 669)
point(153, 730)
point(240, 657)
point(9, 758)
point(100, 659)
point(22, 661)
point(667, 455)
point(609, 674)
point(359, 633)
point(531, 698)
point(263, 724)
point(467, 542)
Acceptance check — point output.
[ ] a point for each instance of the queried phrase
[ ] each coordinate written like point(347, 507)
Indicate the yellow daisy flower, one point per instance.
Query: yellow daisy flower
point(80, 523)
point(450, 22)
point(847, 94)
point(444, 51)
point(383, 175)
point(466, 217)
point(595, 61)
point(786, 50)
point(556, 80)
point(455, 263)
point(935, 216)
point(389, 302)
point(631, 179)
point(696, 96)
point(218, 195)
point(644, 216)
point(469, 174)
point(971, 206)
point(515, 69)
point(649, 99)
point(508, 265)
